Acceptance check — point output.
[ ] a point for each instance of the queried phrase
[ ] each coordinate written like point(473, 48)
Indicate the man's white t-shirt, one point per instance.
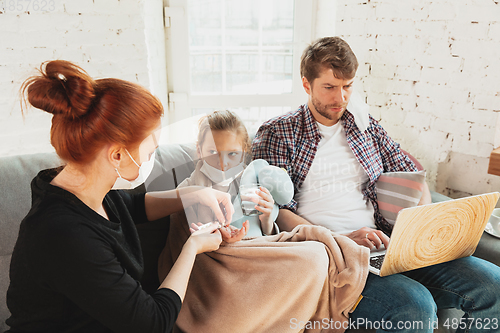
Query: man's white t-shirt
point(331, 194)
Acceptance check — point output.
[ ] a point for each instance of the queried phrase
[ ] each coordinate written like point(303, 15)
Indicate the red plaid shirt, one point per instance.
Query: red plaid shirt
point(290, 141)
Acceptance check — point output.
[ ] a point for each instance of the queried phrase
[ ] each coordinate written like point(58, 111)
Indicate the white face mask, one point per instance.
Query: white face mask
point(144, 172)
point(220, 177)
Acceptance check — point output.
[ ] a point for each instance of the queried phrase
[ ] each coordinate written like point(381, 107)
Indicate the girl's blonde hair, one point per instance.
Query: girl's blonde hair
point(224, 121)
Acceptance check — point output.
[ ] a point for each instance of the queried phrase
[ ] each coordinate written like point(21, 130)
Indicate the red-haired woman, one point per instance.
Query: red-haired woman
point(77, 261)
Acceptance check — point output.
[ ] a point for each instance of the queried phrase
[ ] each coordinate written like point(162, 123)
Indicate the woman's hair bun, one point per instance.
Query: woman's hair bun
point(62, 88)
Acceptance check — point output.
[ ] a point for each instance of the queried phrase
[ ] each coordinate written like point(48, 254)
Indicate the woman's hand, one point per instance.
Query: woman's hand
point(231, 234)
point(369, 237)
point(265, 205)
point(204, 238)
point(218, 201)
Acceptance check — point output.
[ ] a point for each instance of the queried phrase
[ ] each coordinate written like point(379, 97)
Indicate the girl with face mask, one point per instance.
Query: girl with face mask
point(77, 262)
point(223, 146)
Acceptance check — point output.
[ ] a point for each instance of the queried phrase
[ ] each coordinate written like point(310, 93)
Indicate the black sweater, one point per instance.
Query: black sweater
point(74, 271)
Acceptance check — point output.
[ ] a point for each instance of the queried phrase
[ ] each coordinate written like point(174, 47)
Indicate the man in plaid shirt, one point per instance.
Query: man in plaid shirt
point(323, 133)
point(291, 141)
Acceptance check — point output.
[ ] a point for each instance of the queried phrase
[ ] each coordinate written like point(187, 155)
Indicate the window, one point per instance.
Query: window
point(234, 54)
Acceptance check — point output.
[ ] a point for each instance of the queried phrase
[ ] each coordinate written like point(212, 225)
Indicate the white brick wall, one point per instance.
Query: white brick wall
point(429, 70)
point(433, 81)
point(106, 37)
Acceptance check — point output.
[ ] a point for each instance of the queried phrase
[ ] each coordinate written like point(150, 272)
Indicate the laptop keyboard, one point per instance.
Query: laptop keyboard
point(377, 261)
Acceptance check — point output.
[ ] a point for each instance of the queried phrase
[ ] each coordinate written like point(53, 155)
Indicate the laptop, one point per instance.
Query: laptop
point(435, 233)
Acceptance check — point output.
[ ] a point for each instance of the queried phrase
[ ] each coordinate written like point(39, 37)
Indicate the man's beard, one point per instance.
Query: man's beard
point(323, 109)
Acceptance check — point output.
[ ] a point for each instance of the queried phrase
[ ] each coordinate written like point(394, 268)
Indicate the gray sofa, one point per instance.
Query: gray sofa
point(173, 164)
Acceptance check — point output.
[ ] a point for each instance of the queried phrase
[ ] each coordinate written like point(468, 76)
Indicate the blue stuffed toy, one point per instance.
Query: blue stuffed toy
point(279, 184)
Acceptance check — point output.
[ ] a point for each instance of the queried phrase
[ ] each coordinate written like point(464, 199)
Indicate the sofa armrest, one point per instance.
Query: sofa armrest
point(488, 249)
point(438, 197)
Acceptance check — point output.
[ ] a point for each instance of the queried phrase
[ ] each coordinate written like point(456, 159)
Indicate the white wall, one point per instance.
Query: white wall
point(430, 71)
point(106, 37)
point(113, 38)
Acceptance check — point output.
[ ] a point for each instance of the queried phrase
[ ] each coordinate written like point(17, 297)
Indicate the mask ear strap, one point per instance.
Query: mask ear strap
point(132, 158)
point(120, 176)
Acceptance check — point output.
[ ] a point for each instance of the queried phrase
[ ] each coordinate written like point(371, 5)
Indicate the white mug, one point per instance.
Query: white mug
point(495, 220)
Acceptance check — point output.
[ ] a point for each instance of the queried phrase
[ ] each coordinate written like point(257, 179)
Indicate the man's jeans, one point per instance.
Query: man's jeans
point(398, 303)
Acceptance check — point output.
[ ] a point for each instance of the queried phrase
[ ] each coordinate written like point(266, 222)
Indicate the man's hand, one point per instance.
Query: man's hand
point(369, 237)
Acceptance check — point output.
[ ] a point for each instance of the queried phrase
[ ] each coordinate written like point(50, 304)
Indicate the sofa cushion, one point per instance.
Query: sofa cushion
point(398, 190)
point(174, 163)
point(4, 283)
point(16, 173)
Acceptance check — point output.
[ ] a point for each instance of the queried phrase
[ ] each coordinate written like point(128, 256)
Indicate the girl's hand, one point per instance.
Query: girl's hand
point(231, 234)
point(204, 239)
point(220, 202)
point(265, 206)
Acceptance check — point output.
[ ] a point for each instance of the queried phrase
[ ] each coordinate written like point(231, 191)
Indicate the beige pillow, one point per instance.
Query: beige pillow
point(398, 190)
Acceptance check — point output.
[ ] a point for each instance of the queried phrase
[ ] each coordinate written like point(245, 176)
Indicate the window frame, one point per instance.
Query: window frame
point(181, 101)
